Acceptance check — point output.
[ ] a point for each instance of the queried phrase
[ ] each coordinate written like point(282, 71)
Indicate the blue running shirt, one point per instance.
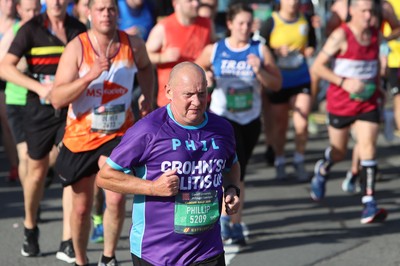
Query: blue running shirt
point(237, 95)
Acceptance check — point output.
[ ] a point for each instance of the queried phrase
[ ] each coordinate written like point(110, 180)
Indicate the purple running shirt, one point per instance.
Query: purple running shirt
point(183, 229)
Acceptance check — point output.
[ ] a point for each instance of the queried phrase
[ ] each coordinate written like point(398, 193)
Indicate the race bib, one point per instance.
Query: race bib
point(44, 79)
point(108, 119)
point(195, 212)
point(292, 61)
point(369, 90)
point(239, 99)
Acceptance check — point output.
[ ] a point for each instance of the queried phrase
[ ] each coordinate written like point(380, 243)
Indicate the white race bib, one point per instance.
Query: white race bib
point(108, 119)
point(292, 61)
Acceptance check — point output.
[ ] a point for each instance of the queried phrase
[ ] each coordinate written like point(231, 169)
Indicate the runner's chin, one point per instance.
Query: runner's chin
point(195, 117)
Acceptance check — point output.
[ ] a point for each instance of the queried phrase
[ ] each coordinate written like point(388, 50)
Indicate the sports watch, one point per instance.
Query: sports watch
point(234, 187)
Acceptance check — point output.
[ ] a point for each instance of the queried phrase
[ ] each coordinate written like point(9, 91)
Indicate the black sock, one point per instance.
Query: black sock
point(30, 231)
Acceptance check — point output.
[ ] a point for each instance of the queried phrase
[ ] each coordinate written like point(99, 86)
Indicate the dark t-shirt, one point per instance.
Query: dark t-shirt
point(42, 49)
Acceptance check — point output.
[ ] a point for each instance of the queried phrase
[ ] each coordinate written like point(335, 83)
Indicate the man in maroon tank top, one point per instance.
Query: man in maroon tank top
point(352, 99)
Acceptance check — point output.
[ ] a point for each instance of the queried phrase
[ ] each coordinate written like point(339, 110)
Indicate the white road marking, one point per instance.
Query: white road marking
point(232, 250)
point(230, 253)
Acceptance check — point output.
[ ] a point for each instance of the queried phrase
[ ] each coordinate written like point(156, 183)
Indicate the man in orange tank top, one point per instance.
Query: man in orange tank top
point(95, 77)
point(177, 38)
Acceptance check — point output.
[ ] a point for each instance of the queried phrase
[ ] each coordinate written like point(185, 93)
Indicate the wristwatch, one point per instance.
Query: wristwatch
point(235, 187)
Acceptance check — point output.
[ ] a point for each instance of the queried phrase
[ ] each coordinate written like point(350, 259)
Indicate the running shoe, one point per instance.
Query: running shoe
point(280, 172)
point(97, 234)
point(237, 235)
point(302, 175)
point(349, 183)
point(372, 214)
point(245, 228)
point(318, 182)
point(112, 262)
point(66, 252)
point(87, 264)
point(30, 247)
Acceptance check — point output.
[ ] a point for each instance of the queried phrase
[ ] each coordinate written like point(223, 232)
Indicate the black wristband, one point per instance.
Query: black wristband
point(235, 187)
point(341, 82)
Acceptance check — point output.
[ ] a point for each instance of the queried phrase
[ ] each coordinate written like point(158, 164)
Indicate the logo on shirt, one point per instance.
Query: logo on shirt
point(186, 196)
point(112, 91)
point(236, 68)
point(109, 92)
point(225, 54)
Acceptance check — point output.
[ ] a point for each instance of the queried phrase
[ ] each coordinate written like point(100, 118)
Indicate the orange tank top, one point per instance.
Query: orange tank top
point(103, 111)
point(189, 39)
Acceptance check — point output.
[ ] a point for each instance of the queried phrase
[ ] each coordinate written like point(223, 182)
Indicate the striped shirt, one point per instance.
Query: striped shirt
point(40, 46)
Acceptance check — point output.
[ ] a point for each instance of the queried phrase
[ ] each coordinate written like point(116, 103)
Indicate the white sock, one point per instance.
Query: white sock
point(366, 199)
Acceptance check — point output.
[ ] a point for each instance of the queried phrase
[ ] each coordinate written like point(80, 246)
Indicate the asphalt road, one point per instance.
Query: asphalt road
point(286, 228)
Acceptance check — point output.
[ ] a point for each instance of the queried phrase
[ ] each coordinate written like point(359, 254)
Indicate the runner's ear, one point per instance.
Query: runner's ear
point(168, 92)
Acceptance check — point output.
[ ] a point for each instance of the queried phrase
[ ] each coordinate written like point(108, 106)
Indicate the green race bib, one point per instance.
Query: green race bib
point(239, 100)
point(195, 212)
point(369, 90)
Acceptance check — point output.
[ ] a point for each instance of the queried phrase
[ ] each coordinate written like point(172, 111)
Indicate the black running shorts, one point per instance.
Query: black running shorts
point(338, 121)
point(44, 127)
point(15, 115)
point(284, 95)
point(72, 167)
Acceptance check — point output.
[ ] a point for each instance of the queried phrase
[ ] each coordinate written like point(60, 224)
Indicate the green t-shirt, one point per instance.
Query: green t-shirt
point(15, 95)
